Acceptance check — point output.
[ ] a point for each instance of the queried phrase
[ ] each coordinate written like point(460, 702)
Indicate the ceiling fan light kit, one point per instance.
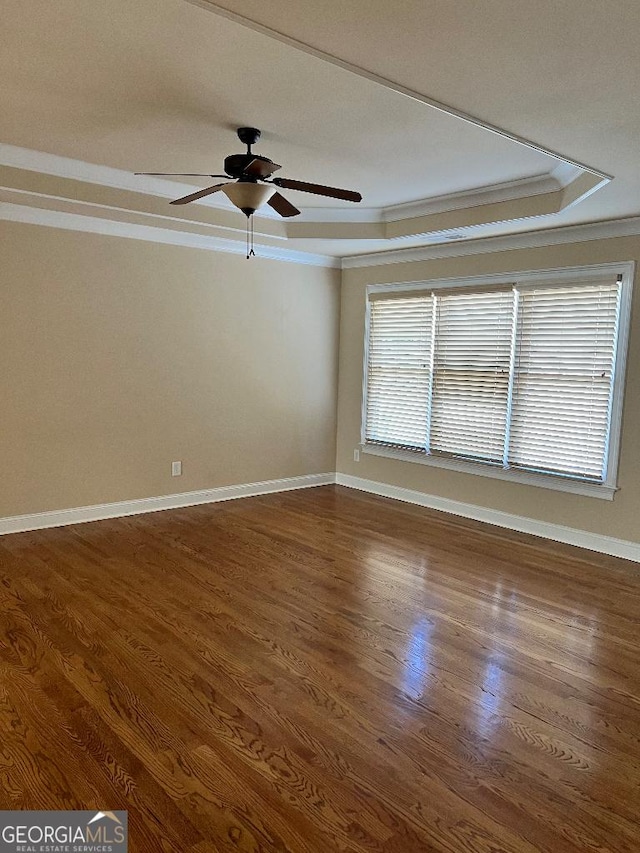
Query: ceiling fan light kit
point(253, 185)
point(248, 196)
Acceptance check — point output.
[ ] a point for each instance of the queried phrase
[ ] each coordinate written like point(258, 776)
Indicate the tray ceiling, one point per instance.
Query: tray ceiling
point(162, 85)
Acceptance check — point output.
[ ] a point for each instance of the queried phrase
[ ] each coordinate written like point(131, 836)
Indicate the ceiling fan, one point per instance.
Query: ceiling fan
point(252, 183)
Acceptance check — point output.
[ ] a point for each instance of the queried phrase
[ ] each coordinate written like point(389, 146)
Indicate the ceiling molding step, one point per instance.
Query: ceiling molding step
point(629, 227)
point(391, 85)
point(499, 211)
point(507, 191)
point(565, 173)
point(581, 188)
point(234, 229)
point(510, 202)
point(336, 230)
point(431, 225)
point(515, 210)
point(489, 194)
point(538, 195)
point(105, 176)
point(114, 228)
point(355, 213)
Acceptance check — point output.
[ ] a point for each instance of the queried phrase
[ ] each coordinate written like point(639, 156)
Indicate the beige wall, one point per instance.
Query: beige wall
point(619, 518)
point(119, 356)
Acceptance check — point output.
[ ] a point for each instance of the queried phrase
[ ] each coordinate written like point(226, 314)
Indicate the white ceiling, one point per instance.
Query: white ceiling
point(162, 85)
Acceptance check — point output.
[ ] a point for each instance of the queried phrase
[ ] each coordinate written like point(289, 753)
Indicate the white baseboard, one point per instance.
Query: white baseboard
point(77, 515)
point(556, 532)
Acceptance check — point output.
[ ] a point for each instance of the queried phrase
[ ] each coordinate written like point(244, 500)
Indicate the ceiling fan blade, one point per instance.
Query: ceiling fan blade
point(317, 189)
point(180, 174)
point(280, 204)
point(200, 194)
point(261, 168)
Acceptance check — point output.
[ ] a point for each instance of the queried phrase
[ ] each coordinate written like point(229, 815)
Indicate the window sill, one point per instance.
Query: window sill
point(546, 481)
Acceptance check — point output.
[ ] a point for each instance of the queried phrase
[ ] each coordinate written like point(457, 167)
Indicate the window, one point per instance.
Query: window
point(519, 379)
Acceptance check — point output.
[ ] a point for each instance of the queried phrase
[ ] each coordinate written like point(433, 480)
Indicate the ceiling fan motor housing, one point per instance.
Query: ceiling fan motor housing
point(235, 164)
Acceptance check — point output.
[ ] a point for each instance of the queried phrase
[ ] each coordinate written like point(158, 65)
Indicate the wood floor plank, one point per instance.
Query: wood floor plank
point(322, 670)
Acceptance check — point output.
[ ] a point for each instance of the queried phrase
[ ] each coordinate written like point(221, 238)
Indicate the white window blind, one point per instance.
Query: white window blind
point(519, 377)
point(563, 380)
point(399, 371)
point(471, 374)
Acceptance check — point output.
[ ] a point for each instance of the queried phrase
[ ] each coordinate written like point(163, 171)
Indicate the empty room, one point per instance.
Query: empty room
point(319, 418)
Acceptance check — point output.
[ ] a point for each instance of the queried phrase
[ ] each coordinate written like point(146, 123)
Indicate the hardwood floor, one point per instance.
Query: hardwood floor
point(322, 671)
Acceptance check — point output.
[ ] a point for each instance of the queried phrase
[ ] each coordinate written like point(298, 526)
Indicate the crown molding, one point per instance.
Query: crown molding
point(115, 228)
point(629, 227)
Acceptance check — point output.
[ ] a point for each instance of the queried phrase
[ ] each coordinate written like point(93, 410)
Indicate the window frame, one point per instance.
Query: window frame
point(549, 277)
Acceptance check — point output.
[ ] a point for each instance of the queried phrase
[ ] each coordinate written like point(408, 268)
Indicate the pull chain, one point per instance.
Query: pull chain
point(250, 251)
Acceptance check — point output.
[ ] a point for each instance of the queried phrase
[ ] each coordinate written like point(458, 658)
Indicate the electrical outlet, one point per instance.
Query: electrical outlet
point(356, 455)
point(176, 469)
